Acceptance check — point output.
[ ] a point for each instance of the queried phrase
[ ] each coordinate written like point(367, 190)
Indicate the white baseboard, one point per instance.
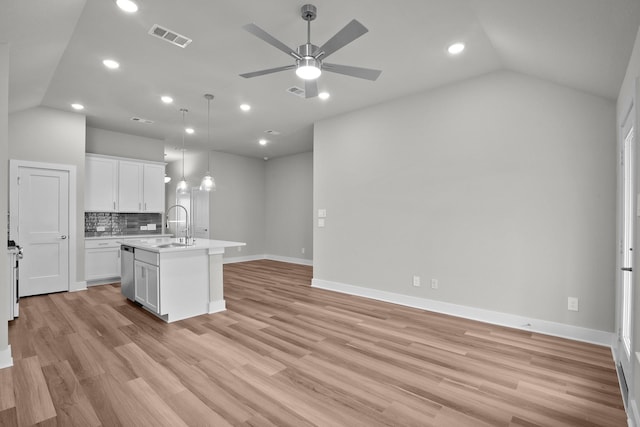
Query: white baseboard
point(217, 306)
point(78, 286)
point(231, 260)
point(633, 416)
point(301, 261)
point(503, 319)
point(291, 260)
point(6, 360)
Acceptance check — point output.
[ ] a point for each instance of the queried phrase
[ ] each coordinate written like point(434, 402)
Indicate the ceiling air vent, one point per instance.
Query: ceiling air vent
point(296, 91)
point(170, 36)
point(141, 120)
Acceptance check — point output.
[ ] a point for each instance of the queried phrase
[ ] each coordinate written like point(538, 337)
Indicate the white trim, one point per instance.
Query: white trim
point(14, 165)
point(232, 260)
point(633, 415)
point(300, 261)
point(217, 306)
point(6, 360)
point(81, 286)
point(503, 319)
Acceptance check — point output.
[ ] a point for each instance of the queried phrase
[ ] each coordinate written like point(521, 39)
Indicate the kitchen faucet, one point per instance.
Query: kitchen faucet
point(186, 215)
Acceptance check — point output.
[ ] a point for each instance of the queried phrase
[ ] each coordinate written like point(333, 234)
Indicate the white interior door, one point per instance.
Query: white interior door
point(43, 230)
point(200, 213)
point(627, 242)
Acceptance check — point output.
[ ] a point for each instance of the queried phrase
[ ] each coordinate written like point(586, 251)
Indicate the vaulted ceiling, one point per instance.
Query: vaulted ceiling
point(57, 48)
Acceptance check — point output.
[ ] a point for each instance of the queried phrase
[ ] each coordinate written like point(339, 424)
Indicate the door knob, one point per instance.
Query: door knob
point(63, 237)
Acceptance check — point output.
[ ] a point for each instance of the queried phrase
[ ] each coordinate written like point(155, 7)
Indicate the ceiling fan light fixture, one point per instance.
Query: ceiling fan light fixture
point(308, 68)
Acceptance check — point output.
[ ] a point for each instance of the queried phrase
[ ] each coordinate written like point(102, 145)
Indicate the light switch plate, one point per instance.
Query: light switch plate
point(320, 222)
point(100, 228)
point(151, 227)
point(143, 227)
point(322, 213)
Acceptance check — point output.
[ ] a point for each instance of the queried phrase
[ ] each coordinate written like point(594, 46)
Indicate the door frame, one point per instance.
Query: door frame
point(14, 166)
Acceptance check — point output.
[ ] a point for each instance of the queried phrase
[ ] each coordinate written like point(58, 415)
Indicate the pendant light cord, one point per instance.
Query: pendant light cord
point(208, 133)
point(184, 111)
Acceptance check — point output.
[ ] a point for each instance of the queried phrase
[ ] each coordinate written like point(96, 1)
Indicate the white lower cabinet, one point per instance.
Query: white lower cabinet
point(147, 280)
point(102, 260)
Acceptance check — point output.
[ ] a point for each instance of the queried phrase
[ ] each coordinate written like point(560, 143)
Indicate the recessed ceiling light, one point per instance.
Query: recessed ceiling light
point(189, 130)
point(263, 142)
point(127, 5)
point(456, 48)
point(245, 107)
point(324, 95)
point(111, 64)
point(77, 106)
point(166, 99)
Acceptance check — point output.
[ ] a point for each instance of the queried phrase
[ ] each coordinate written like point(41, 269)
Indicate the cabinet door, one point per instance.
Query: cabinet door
point(130, 179)
point(147, 285)
point(153, 288)
point(153, 188)
point(101, 185)
point(102, 263)
point(140, 282)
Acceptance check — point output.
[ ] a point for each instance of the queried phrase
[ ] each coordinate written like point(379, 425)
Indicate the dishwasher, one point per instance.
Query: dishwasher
point(127, 259)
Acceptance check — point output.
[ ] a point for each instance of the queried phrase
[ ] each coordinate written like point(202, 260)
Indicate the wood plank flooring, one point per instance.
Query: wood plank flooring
point(285, 354)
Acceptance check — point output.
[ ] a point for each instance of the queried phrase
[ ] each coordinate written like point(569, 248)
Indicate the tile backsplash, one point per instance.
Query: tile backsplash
point(120, 224)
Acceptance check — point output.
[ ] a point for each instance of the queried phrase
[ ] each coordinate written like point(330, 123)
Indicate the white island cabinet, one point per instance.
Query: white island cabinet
point(177, 282)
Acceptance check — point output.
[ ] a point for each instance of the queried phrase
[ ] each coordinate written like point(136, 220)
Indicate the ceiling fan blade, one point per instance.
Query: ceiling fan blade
point(359, 72)
point(310, 88)
point(349, 33)
point(262, 34)
point(268, 71)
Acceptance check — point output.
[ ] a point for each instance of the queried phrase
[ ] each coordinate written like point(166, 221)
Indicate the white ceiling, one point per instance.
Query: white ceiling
point(57, 48)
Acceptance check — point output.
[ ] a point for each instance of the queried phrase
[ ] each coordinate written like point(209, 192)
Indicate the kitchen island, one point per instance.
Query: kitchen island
point(174, 280)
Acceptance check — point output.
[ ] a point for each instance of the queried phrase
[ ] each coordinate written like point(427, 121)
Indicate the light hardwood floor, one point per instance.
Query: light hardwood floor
point(286, 354)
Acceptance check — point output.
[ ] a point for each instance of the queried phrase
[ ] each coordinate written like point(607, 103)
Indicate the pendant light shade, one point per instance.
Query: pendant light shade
point(208, 183)
point(183, 185)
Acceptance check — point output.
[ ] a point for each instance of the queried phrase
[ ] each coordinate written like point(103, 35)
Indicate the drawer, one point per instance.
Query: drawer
point(148, 257)
point(101, 243)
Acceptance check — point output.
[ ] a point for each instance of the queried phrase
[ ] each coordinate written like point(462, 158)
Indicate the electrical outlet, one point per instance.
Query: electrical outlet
point(100, 228)
point(320, 222)
point(416, 281)
point(434, 283)
point(302, 251)
point(239, 248)
point(572, 304)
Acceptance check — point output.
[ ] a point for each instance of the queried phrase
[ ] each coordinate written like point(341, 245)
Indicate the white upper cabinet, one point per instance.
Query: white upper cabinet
point(153, 188)
point(123, 185)
point(130, 177)
point(101, 184)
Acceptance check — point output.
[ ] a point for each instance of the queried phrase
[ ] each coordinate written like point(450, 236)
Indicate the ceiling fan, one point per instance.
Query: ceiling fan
point(310, 58)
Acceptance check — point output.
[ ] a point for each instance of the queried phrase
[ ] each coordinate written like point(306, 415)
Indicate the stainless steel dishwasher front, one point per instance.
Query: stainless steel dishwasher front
point(127, 285)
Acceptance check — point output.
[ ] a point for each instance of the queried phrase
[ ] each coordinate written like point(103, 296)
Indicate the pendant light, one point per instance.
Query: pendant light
point(208, 183)
point(183, 186)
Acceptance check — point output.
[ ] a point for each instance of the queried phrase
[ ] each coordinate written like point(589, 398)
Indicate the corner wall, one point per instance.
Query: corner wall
point(5, 350)
point(53, 136)
point(501, 187)
point(289, 208)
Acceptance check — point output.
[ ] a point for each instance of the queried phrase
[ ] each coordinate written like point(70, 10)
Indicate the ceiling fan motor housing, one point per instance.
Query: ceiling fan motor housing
point(308, 12)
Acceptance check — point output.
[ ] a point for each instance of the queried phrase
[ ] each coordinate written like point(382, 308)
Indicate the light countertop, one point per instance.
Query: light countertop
point(167, 244)
point(131, 236)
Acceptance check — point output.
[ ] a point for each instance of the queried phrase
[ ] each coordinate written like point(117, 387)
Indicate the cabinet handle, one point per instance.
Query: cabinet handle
point(102, 244)
point(139, 206)
point(145, 206)
point(114, 206)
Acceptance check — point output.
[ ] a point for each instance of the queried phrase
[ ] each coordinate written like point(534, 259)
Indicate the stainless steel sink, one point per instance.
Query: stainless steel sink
point(172, 245)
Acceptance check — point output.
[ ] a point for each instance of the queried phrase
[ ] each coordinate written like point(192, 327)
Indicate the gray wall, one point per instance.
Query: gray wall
point(4, 189)
point(53, 136)
point(289, 206)
point(237, 207)
point(628, 91)
point(100, 141)
point(501, 187)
